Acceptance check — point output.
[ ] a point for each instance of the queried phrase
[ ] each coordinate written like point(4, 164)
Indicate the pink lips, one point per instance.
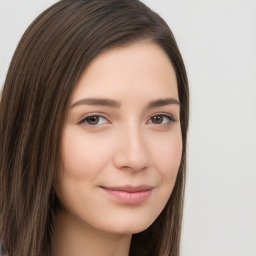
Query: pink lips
point(130, 194)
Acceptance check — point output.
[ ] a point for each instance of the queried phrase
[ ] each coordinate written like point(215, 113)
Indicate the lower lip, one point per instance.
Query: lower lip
point(129, 197)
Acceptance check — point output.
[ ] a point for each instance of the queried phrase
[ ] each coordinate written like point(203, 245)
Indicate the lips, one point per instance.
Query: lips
point(130, 194)
point(131, 189)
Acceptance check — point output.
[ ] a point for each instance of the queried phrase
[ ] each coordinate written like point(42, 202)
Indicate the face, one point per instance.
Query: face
point(122, 143)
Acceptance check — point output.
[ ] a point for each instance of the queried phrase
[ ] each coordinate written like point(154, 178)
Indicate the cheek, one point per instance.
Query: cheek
point(167, 156)
point(80, 154)
point(166, 151)
point(80, 168)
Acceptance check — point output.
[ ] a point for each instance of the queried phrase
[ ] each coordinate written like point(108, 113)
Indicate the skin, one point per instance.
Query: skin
point(129, 143)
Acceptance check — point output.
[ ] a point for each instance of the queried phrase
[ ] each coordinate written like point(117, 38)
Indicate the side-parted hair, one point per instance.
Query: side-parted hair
point(46, 66)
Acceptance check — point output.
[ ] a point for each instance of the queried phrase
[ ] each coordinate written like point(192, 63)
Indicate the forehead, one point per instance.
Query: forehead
point(139, 68)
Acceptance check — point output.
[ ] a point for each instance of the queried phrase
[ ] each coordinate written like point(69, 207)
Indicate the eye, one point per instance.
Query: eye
point(161, 119)
point(94, 120)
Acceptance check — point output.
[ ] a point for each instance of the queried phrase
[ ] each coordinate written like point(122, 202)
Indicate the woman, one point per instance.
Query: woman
point(93, 123)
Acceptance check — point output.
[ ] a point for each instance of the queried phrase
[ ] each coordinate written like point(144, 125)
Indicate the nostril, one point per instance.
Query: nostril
point(128, 168)
point(125, 162)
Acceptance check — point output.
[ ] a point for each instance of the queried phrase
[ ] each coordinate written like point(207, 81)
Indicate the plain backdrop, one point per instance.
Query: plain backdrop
point(217, 39)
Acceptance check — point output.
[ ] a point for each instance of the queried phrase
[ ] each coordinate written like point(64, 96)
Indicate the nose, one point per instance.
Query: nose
point(131, 151)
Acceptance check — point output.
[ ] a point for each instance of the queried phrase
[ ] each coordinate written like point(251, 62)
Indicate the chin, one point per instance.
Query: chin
point(127, 227)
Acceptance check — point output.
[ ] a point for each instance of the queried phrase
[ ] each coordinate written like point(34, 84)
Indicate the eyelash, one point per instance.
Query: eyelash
point(85, 120)
point(165, 116)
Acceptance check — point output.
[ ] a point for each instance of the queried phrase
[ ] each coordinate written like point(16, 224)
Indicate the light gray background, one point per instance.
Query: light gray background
point(217, 39)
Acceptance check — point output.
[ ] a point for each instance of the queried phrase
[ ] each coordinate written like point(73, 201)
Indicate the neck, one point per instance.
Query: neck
point(72, 236)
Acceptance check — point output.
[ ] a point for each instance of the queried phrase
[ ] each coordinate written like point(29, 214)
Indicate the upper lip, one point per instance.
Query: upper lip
point(130, 188)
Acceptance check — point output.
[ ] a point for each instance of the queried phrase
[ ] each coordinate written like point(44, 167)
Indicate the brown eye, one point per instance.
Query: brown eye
point(157, 119)
point(161, 119)
point(94, 120)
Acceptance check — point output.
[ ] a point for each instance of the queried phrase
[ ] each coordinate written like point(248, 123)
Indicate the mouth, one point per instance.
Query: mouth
point(129, 194)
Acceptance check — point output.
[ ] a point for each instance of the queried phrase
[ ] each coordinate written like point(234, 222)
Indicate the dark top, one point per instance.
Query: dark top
point(3, 251)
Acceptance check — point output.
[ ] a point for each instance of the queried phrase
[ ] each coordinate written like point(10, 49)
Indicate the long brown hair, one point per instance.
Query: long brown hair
point(46, 66)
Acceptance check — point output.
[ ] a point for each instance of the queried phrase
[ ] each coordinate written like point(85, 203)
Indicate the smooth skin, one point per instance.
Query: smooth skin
point(122, 129)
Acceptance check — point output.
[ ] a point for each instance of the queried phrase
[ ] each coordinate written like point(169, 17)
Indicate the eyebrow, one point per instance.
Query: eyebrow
point(162, 102)
point(98, 102)
point(117, 104)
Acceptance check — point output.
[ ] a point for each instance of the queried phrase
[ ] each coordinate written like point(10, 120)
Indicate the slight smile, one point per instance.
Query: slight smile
point(130, 194)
